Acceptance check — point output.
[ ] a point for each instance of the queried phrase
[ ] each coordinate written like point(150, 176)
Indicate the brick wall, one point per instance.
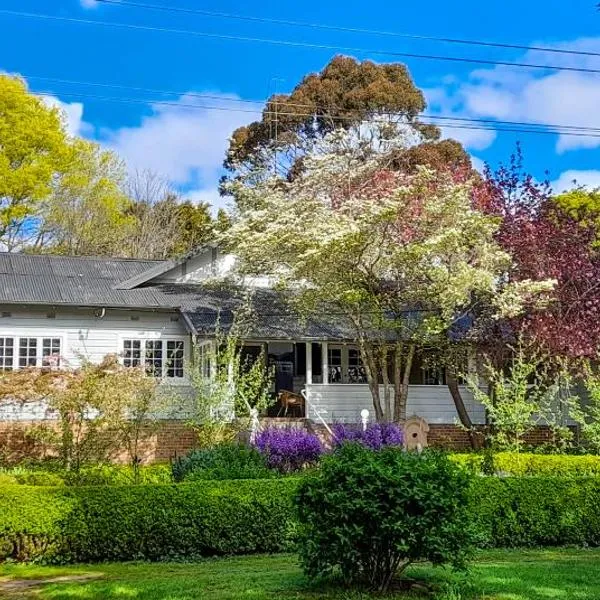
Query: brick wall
point(20, 440)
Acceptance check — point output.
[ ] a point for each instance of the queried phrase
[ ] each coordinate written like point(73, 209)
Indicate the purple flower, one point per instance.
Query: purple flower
point(375, 436)
point(290, 449)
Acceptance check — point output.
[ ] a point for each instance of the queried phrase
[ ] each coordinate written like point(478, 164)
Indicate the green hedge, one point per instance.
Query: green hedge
point(534, 464)
point(90, 524)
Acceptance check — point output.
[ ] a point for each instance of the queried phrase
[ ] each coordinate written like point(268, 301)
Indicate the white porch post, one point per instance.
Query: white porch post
point(309, 363)
point(324, 363)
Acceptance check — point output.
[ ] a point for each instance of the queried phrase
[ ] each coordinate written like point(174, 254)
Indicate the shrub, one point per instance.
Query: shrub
point(371, 514)
point(92, 524)
point(288, 450)
point(184, 521)
point(520, 464)
point(224, 461)
point(375, 436)
point(536, 511)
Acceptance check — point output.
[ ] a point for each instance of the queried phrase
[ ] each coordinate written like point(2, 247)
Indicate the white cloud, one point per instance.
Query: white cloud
point(72, 114)
point(184, 142)
point(477, 163)
point(88, 3)
point(573, 178)
point(519, 94)
point(209, 195)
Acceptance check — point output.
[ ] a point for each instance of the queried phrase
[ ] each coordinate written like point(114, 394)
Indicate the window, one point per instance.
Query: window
point(50, 352)
point(175, 358)
point(6, 353)
point(356, 370)
point(132, 353)
point(154, 358)
point(27, 352)
point(160, 358)
point(334, 361)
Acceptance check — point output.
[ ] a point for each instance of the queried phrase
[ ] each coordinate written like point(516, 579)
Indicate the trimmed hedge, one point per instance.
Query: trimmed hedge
point(92, 524)
point(528, 464)
point(185, 521)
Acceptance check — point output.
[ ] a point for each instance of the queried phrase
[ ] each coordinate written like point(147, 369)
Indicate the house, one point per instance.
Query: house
point(61, 309)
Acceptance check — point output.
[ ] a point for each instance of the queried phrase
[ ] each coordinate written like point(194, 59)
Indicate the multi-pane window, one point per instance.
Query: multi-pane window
point(356, 370)
point(50, 352)
point(7, 350)
point(27, 352)
point(160, 358)
point(175, 358)
point(334, 360)
point(154, 358)
point(132, 353)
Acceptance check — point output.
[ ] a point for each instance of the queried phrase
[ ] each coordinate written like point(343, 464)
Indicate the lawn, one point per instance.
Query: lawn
point(498, 575)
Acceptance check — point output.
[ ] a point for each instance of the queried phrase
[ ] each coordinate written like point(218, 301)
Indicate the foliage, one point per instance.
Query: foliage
point(520, 397)
point(91, 524)
point(401, 259)
point(537, 511)
point(87, 211)
point(371, 514)
point(587, 413)
point(100, 408)
point(288, 450)
point(87, 475)
point(527, 464)
point(375, 436)
point(224, 461)
point(75, 524)
point(226, 388)
point(34, 150)
point(345, 95)
point(546, 241)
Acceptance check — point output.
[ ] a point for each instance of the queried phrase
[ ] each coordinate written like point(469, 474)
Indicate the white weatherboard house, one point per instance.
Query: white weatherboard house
point(58, 308)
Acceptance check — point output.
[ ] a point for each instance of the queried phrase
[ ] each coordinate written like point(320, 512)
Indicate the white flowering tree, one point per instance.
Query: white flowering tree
point(398, 258)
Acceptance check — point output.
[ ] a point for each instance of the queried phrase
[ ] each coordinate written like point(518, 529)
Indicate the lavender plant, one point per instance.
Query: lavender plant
point(288, 450)
point(375, 437)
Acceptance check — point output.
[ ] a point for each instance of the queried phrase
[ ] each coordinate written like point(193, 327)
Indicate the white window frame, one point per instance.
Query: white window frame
point(123, 337)
point(39, 351)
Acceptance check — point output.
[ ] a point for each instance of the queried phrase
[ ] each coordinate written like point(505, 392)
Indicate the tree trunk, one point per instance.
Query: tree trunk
point(402, 378)
point(370, 365)
point(461, 409)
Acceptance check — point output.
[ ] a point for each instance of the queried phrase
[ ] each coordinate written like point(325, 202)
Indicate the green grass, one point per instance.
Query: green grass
point(499, 575)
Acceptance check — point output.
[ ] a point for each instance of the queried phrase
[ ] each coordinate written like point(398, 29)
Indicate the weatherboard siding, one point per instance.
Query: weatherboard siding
point(344, 403)
point(84, 336)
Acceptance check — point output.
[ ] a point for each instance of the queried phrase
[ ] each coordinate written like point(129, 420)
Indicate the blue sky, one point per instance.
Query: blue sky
point(185, 139)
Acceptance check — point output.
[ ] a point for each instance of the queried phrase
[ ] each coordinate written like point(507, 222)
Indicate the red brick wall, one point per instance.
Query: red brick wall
point(19, 441)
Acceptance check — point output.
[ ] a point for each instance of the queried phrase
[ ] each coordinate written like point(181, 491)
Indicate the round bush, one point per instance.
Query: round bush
point(224, 461)
point(368, 515)
point(288, 450)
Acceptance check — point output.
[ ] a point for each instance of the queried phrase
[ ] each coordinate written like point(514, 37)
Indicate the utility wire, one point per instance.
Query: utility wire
point(264, 103)
point(429, 119)
point(293, 44)
point(306, 24)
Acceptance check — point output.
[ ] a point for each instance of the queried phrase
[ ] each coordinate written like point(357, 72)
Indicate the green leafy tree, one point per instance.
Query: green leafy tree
point(225, 389)
point(87, 211)
point(34, 150)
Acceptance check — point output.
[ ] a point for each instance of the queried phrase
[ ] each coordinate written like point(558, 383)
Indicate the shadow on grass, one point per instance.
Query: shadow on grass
point(510, 575)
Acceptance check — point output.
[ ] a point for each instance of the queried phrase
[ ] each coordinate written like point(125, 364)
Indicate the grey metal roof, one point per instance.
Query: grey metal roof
point(79, 281)
point(207, 309)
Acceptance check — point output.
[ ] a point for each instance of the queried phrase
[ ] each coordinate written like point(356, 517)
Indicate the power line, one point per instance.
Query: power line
point(264, 103)
point(306, 24)
point(293, 44)
point(427, 121)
